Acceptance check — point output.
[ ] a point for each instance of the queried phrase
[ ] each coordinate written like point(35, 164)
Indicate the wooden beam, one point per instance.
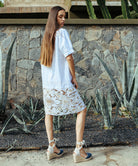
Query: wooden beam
point(71, 21)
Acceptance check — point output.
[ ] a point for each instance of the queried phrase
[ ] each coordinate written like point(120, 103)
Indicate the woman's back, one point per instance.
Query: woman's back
point(58, 75)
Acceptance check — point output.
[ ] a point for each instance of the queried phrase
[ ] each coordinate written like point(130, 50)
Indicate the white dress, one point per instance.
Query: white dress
point(59, 94)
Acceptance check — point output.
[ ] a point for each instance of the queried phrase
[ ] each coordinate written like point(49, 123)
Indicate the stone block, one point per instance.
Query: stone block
point(126, 38)
point(22, 51)
point(35, 32)
point(114, 46)
point(78, 45)
point(95, 61)
point(2, 36)
point(29, 75)
point(77, 34)
point(78, 56)
point(13, 82)
point(23, 37)
point(21, 74)
point(34, 54)
point(13, 66)
point(25, 64)
point(84, 64)
point(34, 43)
point(93, 33)
point(6, 43)
point(21, 86)
point(108, 35)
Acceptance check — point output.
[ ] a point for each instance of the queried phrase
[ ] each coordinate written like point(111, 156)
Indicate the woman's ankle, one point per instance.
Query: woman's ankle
point(52, 143)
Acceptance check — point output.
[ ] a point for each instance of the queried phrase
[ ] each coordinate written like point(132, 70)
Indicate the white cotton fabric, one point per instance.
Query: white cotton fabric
point(56, 80)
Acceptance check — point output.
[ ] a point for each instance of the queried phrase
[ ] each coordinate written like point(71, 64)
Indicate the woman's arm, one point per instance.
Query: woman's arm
point(70, 61)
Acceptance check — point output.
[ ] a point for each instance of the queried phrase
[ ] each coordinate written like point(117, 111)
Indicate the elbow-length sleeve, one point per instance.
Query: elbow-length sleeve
point(65, 44)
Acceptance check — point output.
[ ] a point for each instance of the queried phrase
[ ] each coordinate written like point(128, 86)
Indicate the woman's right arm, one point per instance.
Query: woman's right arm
point(70, 61)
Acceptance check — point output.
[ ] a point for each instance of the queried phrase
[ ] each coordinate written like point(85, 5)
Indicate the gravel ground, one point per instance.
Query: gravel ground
point(124, 133)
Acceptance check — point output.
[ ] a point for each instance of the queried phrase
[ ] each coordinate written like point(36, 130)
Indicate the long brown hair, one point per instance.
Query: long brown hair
point(48, 42)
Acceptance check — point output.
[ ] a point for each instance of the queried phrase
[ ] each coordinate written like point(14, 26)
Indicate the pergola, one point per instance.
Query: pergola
point(36, 11)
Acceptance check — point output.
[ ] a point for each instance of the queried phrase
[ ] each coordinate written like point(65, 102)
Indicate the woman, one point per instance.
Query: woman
point(59, 83)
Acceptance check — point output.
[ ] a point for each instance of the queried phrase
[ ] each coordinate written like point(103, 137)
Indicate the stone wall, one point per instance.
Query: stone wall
point(25, 71)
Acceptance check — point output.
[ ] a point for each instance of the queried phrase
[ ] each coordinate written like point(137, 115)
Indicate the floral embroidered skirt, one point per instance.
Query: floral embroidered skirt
point(62, 102)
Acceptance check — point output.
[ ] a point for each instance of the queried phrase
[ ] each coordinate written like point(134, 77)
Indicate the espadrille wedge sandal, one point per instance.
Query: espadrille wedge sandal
point(50, 151)
point(76, 155)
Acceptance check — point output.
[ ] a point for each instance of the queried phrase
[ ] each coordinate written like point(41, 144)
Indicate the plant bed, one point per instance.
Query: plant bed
point(123, 133)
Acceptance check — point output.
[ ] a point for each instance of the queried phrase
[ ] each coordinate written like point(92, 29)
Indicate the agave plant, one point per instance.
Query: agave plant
point(3, 96)
point(128, 79)
point(103, 105)
point(87, 101)
point(58, 123)
point(30, 112)
point(26, 119)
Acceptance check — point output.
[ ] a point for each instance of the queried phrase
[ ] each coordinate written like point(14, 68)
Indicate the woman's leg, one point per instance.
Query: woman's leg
point(80, 124)
point(49, 130)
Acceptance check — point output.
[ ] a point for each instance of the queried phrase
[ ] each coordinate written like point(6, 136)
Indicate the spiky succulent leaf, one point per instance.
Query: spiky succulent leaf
point(90, 9)
point(111, 77)
point(130, 66)
point(135, 88)
point(6, 123)
point(7, 68)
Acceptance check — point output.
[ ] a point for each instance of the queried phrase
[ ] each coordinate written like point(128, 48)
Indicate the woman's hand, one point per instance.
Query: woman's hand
point(74, 82)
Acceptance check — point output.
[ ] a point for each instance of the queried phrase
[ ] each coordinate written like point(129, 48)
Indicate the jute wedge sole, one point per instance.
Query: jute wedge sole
point(53, 155)
point(78, 158)
point(50, 151)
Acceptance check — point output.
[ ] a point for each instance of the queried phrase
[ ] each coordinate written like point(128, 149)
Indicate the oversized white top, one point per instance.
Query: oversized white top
point(58, 76)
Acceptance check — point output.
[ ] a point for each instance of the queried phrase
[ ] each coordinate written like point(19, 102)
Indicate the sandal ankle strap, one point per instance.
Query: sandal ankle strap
point(81, 143)
point(54, 140)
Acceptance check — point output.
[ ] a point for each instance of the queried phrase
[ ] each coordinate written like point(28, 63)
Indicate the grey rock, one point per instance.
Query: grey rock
point(22, 52)
point(126, 38)
point(77, 34)
point(121, 53)
point(78, 45)
point(95, 61)
point(13, 66)
point(2, 36)
point(92, 45)
point(21, 74)
point(26, 64)
point(37, 72)
point(13, 81)
point(92, 34)
point(77, 57)
point(34, 43)
point(108, 35)
point(35, 33)
point(7, 42)
point(34, 53)
point(29, 75)
point(23, 37)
